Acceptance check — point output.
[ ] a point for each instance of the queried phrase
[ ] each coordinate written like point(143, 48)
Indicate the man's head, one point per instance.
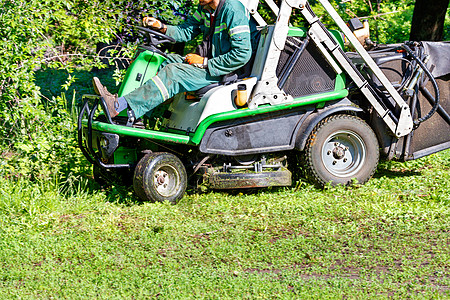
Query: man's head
point(210, 3)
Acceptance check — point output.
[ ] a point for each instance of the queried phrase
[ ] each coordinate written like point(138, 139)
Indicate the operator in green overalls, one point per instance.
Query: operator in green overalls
point(231, 50)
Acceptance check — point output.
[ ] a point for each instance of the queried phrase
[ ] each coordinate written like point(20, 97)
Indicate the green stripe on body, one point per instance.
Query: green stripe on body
point(197, 16)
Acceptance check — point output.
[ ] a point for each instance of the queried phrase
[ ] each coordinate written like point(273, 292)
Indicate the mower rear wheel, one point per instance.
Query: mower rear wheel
point(339, 149)
point(160, 177)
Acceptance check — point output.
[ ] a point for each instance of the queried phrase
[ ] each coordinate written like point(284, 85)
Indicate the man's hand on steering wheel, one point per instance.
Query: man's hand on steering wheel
point(154, 24)
point(154, 39)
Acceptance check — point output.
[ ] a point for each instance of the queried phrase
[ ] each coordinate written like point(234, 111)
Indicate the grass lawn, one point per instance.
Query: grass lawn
point(387, 239)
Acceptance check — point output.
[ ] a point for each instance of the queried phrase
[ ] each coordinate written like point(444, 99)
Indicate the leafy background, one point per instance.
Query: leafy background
point(50, 49)
point(62, 236)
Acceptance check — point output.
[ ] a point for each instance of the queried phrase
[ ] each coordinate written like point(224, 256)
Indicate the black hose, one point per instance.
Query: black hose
point(380, 49)
point(404, 80)
point(433, 81)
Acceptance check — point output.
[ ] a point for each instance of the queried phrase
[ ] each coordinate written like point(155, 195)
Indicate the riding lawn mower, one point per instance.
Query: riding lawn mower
point(305, 101)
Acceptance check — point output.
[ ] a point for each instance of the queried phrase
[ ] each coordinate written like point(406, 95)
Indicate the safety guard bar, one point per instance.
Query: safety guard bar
point(88, 150)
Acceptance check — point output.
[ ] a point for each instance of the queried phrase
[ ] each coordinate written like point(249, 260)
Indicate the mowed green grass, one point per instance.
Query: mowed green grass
point(387, 239)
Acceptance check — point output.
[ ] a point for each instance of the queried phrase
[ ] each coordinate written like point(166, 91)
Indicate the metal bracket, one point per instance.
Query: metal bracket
point(267, 92)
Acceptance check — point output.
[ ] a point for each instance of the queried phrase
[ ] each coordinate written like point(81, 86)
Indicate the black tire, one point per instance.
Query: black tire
point(339, 149)
point(160, 177)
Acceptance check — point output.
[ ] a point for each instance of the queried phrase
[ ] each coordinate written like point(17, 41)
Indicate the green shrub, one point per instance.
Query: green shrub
point(36, 124)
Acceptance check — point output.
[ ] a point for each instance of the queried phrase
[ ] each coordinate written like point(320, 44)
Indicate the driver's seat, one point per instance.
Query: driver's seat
point(241, 73)
point(227, 79)
point(230, 78)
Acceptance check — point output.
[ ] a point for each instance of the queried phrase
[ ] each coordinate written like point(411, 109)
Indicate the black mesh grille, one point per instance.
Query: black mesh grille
point(311, 74)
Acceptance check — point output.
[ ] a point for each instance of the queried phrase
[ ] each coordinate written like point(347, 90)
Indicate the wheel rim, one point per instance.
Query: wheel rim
point(166, 180)
point(343, 153)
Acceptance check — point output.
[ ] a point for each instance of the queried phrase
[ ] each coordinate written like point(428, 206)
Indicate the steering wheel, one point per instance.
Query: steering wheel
point(156, 38)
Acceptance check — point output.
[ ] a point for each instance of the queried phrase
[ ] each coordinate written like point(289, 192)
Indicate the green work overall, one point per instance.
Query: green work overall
point(231, 50)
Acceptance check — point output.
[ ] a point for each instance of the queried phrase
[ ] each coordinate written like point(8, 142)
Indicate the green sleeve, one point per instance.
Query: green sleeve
point(188, 30)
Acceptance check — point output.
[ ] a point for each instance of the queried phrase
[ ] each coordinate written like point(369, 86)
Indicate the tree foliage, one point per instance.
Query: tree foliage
point(389, 20)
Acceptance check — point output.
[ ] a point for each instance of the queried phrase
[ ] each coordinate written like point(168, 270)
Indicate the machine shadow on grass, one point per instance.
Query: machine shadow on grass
point(384, 172)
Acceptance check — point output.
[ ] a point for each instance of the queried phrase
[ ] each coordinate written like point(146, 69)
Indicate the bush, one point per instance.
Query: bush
point(36, 128)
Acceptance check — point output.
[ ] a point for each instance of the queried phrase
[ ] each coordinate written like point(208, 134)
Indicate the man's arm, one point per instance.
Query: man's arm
point(187, 30)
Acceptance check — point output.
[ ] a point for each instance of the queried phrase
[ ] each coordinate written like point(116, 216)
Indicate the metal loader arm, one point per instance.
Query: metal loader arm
point(269, 50)
point(252, 7)
point(404, 124)
point(267, 90)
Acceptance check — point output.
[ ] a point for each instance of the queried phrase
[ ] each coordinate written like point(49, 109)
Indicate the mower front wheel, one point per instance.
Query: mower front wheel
point(160, 177)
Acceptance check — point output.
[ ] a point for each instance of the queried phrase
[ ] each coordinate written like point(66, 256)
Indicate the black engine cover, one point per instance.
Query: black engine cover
point(257, 134)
